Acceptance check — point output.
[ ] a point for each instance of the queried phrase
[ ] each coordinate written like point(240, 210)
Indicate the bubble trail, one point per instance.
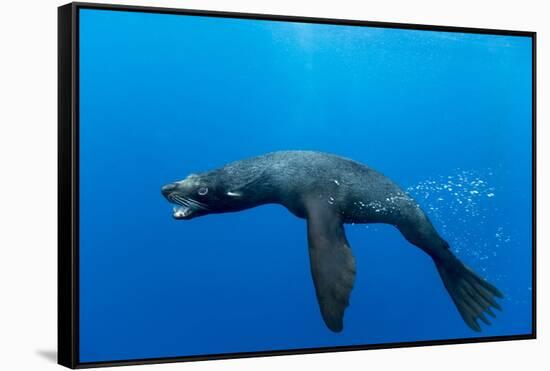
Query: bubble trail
point(462, 207)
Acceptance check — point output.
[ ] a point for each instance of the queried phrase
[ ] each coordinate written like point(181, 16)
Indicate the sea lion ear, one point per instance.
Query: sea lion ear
point(235, 194)
point(238, 189)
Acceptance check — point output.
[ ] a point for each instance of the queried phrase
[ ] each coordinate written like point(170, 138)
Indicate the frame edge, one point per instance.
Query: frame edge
point(534, 182)
point(301, 19)
point(67, 314)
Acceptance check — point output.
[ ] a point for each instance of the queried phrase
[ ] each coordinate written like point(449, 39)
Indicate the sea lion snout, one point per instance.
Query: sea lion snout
point(183, 186)
point(168, 188)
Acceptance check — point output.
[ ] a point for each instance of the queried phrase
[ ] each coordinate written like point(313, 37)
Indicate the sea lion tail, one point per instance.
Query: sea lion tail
point(472, 295)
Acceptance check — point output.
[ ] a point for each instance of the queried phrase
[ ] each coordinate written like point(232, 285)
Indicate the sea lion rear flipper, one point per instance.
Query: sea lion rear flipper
point(332, 263)
point(472, 295)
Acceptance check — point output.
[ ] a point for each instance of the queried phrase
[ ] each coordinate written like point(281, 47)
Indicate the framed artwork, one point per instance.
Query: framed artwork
point(236, 185)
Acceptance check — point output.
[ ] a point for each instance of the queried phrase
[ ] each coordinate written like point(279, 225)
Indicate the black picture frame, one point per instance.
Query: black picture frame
point(68, 182)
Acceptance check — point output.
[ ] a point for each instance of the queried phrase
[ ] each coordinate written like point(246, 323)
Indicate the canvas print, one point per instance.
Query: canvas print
point(252, 185)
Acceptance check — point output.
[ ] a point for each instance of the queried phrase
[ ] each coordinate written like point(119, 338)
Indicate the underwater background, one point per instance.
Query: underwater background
point(447, 116)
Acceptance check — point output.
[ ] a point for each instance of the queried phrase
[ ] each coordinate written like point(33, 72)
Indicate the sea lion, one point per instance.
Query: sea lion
point(329, 191)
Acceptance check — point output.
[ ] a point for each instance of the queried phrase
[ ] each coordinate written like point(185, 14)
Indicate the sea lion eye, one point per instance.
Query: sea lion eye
point(202, 191)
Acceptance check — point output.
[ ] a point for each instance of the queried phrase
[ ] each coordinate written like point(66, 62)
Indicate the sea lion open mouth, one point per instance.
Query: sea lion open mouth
point(185, 207)
point(182, 212)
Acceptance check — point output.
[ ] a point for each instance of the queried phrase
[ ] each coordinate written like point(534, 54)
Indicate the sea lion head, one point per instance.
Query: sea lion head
point(201, 194)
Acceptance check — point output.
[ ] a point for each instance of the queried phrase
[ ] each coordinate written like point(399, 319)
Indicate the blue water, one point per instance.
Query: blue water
point(445, 115)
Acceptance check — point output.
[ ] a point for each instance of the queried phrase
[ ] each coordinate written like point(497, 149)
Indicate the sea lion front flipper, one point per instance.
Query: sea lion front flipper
point(332, 263)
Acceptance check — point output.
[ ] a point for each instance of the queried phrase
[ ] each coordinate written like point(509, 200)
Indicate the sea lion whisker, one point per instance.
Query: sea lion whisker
point(172, 198)
point(180, 200)
point(195, 201)
point(198, 204)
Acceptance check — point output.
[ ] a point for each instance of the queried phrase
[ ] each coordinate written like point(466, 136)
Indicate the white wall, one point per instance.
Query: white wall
point(28, 150)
